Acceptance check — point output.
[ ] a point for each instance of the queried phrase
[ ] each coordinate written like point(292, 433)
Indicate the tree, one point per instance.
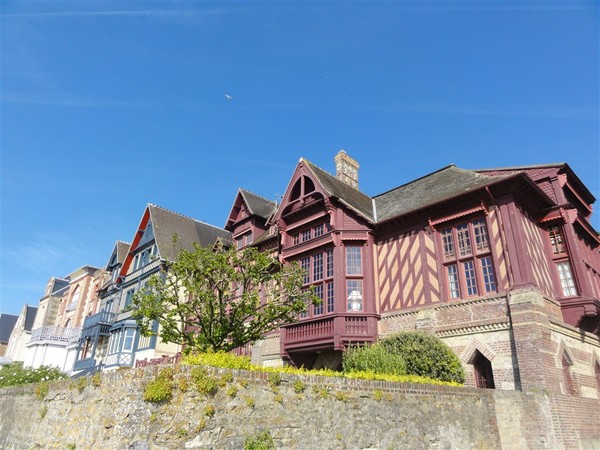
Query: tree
point(220, 299)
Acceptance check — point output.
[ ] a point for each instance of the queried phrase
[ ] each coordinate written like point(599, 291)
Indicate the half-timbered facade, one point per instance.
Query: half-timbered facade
point(502, 264)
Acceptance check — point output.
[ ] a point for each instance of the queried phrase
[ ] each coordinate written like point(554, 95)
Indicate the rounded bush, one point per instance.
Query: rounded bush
point(373, 358)
point(425, 355)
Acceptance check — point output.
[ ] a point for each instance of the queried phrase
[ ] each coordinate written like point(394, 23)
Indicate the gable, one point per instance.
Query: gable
point(302, 191)
point(148, 235)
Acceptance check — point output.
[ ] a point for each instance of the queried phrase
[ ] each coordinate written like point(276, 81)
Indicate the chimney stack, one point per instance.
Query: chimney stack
point(346, 169)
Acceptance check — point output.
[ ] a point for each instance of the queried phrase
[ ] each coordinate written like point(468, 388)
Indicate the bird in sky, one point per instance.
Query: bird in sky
point(228, 97)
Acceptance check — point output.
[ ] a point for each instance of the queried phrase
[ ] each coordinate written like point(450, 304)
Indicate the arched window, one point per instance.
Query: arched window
point(484, 377)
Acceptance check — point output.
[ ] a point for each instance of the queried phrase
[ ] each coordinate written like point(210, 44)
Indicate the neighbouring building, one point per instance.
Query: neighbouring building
point(61, 311)
point(502, 264)
point(20, 335)
point(7, 324)
point(110, 339)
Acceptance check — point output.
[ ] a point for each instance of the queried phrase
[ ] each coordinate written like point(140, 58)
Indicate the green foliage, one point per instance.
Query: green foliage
point(321, 392)
point(377, 395)
point(43, 411)
point(205, 384)
point(274, 379)
point(342, 396)
point(161, 388)
point(249, 401)
point(97, 380)
point(14, 374)
point(259, 441)
point(41, 390)
point(231, 391)
point(218, 359)
point(299, 386)
point(81, 384)
point(373, 358)
point(209, 410)
point(425, 355)
point(215, 298)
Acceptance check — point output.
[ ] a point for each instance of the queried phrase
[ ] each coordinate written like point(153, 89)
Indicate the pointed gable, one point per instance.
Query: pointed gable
point(310, 183)
point(248, 204)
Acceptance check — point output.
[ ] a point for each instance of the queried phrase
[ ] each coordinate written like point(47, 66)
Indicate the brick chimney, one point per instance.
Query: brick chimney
point(346, 169)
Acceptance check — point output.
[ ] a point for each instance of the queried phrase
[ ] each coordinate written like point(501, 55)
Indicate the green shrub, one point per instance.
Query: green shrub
point(218, 359)
point(274, 379)
point(299, 386)
point(14, 374)
point(259, 441)
point(373, 358)
point(425, 355)
point(205, 384)
point(41, 390)
point(158, 390)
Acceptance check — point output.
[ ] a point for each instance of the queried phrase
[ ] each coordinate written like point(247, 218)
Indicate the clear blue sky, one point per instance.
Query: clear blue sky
point(108, 106)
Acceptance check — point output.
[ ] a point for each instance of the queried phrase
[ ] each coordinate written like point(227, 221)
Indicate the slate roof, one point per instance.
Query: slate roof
point(168, 223)
point(353, 198)
point(7, 324)
point(122, 250)
point(436, 187)
point(258, 205)
point(30, 317)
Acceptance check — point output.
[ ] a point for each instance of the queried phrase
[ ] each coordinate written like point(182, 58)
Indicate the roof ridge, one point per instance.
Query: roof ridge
point(418, 179)
point(184, 216)
point(530, 166)
point(257, 195)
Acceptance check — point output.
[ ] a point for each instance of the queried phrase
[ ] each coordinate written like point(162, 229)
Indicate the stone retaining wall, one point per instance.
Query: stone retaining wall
point(108, 412)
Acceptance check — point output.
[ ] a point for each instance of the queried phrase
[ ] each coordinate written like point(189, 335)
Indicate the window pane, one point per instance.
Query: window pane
point(128, 341)
point(296, 238)
point(319, 230)
point(556, 240)
point(448, 242)
point(330, 297)
point(469, 270)
point(488, 274)
point(481, 235)
point(355, 299)
point(306, 266)
point(306, 235)
point(249, 238)
point(464, 242)
point(566, 278)
point(318, 267)
point(453, 281)
point(353, 261)
point(329, 263)
point(319, 293)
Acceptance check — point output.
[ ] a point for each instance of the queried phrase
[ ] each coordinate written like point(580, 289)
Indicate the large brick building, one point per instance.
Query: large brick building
point(502, 264)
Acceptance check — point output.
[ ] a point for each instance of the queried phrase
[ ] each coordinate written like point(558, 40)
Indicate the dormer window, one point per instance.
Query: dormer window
point(244, 240)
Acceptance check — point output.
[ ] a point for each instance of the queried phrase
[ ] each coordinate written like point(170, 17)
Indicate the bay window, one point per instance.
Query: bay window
point(467, 259)
point(561, 260)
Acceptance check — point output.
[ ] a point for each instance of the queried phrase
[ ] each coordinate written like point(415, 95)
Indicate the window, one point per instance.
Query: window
point(243, 240)
point(355, 298)
point(484, 377)
point(353, 261)
point(128, 339)
point(318, 272)
point(129, 298)
point(561, 260)
point(566, 278)
point(467, 259)
point(312, 232)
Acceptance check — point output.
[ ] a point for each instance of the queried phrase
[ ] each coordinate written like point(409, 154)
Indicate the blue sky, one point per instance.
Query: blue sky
point(107, 106)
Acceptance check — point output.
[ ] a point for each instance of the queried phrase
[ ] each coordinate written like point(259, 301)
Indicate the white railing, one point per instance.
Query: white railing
point(55, 334)
point(142, 271)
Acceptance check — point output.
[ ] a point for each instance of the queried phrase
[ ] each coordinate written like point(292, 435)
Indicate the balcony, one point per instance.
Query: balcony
point(119, 360)
point(83, 364)
point(150, 267)
point(329, 333)
point(101, 318)
point(54, 334)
